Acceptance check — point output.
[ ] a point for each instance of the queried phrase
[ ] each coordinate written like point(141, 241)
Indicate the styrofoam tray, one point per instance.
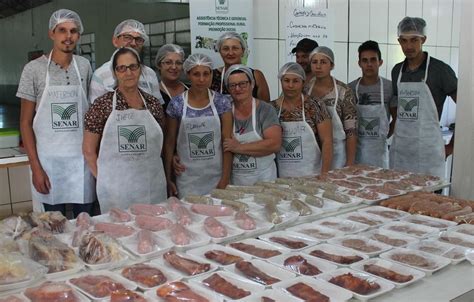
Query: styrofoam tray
point(391, 235)
point(197, 239)
point(161, 246)
point(322, 265)
point(35, 272)
point(200, 252)
point(236, 280)
point(354, 200)
point(429, 221)
point(261, 224)
point(162, 263)
point(77, 293)
point(107, 218)
point(316, 231)
point(232, 232)
point(347, 227)
point(332, 291)
point(260, 244)
point(453, 252)
point(384, 212)
point(336, 250)
point(116, 277)
point(169, 275)
point(436, 261)
point(77, 267)
point(267, 268)
point(10, 297)
point(385, 286)
point(276, 294)
point(373, 220)
point(307, 240)
point(204, 292)
point(381, 247)
point(124, 259)
point(456, 239)
point(464, 229)
point(287, 214)
point(397, 268)
point(410, 229)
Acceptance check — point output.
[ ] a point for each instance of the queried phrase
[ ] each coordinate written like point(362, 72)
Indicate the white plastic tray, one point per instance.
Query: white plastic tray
point(260, 244)
point(384, 212)
point(347, 227)
point(334, 292)
point(410, 229)
point(77, 267)
point(276, 294)
point(465, 229)
point(267, 268)
point(312, 230)
point(429, 221)
point(170, 276)
point(205, 293)
point(197, 239)
point(457, 239)
point(322, 265)
point(261, 224)
point(34, 271)
point(124, 259)
point(161, 246)
point(398, 268)
point(391, 235)
point(336, 250)
point(307, 240)
point(162, 263)
point(374, 221)
point(453, 252)
point(232, 232)
point(385, 286)
point(381, 247)
point(77, 293)
point(19, 297)
point(200, 251)
point(116, 277)
point(236, 280)
point(436, 262)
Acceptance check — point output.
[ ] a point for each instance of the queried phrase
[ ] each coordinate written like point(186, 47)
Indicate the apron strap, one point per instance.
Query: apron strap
point(222, 78)
point(302, 107)
point(426, 71)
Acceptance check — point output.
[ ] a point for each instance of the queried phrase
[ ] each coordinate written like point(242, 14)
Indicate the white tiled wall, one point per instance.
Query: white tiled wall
point(356, 21)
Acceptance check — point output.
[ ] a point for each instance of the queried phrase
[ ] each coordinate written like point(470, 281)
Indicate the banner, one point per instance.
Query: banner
point(211, 18)
point(308, 22)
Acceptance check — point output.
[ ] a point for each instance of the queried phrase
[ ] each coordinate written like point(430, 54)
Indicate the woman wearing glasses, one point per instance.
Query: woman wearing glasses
point(232, 48)
point(169, 61)
point(307, 131)
point(198, 121)
point(256, 132)
point(123, 139)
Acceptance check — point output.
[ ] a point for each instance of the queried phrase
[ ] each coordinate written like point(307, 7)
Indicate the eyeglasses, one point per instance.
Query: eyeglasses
point(170, 63)
point(241, 85)
point(233, 48)
point(123, 68)
point(129, 39)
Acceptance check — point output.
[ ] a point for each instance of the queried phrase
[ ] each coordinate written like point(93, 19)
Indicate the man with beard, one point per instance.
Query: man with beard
point(129, 33)
point(302, 50)
point(422, 84)
point(53, 97)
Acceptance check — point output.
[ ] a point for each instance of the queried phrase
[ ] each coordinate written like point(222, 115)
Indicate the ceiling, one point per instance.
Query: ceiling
point(12, 7)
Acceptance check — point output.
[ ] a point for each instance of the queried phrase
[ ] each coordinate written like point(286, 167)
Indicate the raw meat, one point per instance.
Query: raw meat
point(355, 284)
point(98, 248)
point(54, 221)
point(119, 215)
point(146, 242)
point(360, 245)
point(214, 228)
point(84, 220)
point(364, 219)
point(126, 295)
point(307, 293)
point(114, 230)
point(388, 240)
point(366, 180)
point(253, 250)
point(212, 210)
point(180, 211)
point(52, 253)
point(99, 286)
point(272, 213)
point(413, 260)
point(152, 223)
point(222, 257)
point(179, 234)
point(255, 274)
point(335, 258)
point(185, 265)
point(51, 292)
point(302, 208)
point(147, 209)
point(386, 273)
point(292, 244)
point(347, 184)
point(222, 286)
point(244, 221)
point(179, 292)
point(144, 274)
point(300, 265)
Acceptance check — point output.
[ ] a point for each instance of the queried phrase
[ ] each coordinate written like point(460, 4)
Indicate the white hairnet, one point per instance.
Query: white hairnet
point(412, 26)
point(165, 50)
point(325, 51)
point(232, 35)
point(130, 26)
point(239, 67)
point(292, 68)
point(121, 50)
point(65, 15)
point(197, 59)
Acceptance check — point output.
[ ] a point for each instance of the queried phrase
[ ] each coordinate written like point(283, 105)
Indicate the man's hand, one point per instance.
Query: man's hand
point(41, 181)
point(178, 167)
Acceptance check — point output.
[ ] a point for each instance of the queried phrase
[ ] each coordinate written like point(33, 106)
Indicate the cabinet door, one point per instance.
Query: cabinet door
point(4, 189)
point(20, 183)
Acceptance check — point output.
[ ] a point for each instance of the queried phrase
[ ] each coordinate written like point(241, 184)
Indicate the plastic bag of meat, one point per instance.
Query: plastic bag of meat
point(214, 228)
point(244, 221)
point(54, 222)
point(115, 230)
point(84, 220)
point(144, 274)
point(13, 226)
point(125, 295)
point(212, 210)
point(97, 286)
point(8, 245)
point(146, 242)
point(119, 215)
point(96, 248)
point(152, 223)
point(179, 291)
point(182, 214)
point(15, 268)
point(179, 234)
point(186, 265)
point(52, 292)
point(147, 209)
point(11, 298)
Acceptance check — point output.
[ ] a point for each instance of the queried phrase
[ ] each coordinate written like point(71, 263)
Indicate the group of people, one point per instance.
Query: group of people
point(120, 135)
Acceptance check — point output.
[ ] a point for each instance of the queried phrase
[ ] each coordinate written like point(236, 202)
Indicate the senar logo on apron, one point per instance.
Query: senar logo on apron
point(408, 108)
point(201, 144)
point(132, 138)
point(244, 162)
point(291, 149)
point(64, 116)
point(369, 127)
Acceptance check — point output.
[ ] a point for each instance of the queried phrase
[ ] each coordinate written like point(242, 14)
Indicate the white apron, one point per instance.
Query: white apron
point(246, 169)
point(58, 127)
point(338, 133)
point(162, 84)
point(417, 145)
point(372, 147)
point(200, 151)
point(129, 166)
point(299, 154)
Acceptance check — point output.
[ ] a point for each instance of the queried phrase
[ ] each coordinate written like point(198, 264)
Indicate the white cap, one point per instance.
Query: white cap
point(292, 68)
point(412, 26)
point(239, 67)
point(232, 35)
point(167, 49)
point(323, 50)
point(65, 15)
point(197, 59)
point(130, 26)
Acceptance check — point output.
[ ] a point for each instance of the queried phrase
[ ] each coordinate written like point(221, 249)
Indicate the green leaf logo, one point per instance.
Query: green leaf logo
point(290, 146)
point(201, 142)
point(369, 124)
point(242, 157)
point(132, 136)
point(408, 105)
point(64, 113)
